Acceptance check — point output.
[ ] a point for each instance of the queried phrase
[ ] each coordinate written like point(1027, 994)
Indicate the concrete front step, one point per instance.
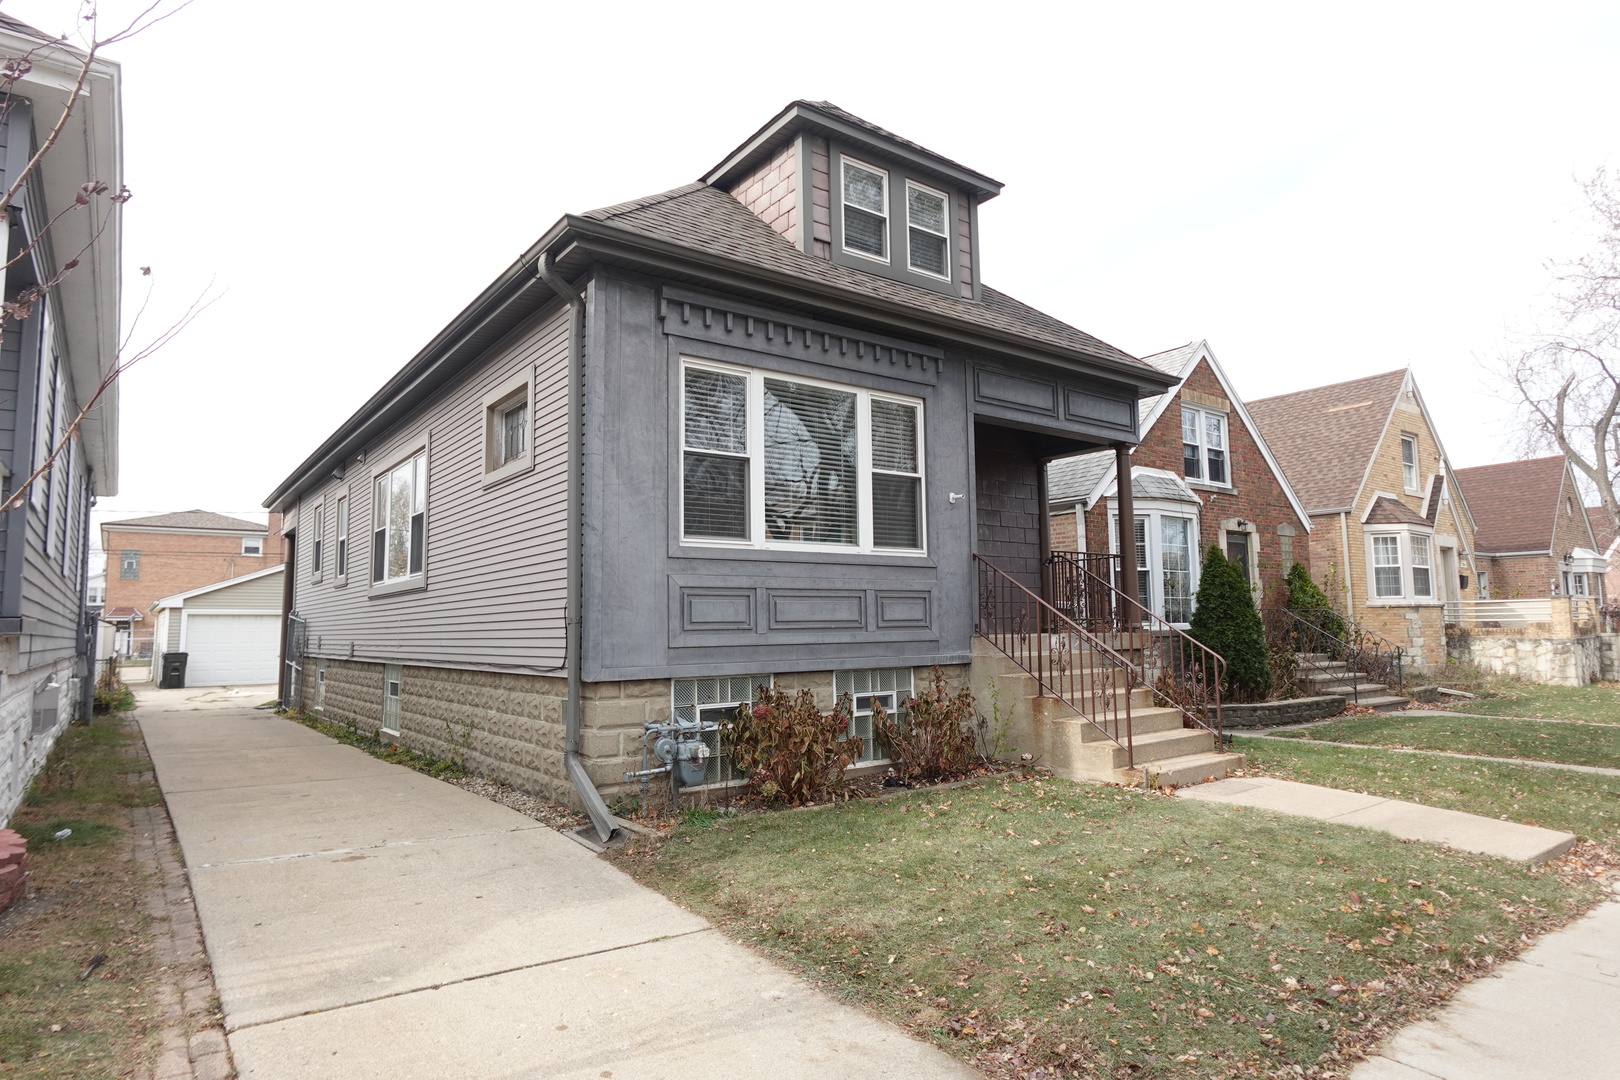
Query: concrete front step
point(1383, 702)
point(1348, 690)
point(1184, 771)
point(1145, 718)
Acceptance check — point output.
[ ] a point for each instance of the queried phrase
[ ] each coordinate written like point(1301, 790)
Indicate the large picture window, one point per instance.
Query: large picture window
point(398, 521)
point(771, 461)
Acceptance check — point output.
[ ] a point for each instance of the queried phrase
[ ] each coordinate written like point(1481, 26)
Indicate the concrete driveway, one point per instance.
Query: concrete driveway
point(364, 920)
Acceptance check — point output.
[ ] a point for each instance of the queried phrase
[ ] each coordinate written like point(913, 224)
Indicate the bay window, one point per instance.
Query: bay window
point(1203, 445)
point(1166, 561)
point(772, 461)
point(398, 520)
point(1400, 565)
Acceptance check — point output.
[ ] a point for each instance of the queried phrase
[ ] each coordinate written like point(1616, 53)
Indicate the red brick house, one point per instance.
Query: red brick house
point(149, 558)
point(1534, 538)
point(1202, 475)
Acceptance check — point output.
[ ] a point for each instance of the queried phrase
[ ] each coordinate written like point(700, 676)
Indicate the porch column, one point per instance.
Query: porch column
point(1045, 518)
point(1127, 526)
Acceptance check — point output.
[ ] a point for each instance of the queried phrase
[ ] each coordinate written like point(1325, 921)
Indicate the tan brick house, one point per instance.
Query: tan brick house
point(1202, 475)
point(1391, 535)
point(1608, 545)
point(149, 558)
point(1533, 538)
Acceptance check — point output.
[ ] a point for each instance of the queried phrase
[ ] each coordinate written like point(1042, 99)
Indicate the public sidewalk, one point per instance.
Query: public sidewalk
point(1409, 821)
point(364, 920)
point(1548, 1014)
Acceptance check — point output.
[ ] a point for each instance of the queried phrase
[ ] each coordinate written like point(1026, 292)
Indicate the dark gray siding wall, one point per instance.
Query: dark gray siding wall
point(495, 555)
point(1008, 507)
point(55, 532)
point(657, 607)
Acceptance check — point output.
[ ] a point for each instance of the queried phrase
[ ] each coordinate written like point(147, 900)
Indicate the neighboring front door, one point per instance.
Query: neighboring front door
point(1237, 551)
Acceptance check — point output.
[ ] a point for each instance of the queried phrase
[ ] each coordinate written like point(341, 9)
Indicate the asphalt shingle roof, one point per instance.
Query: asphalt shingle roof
point(191, 519)
point(709, 219)
point(1071, 479)
point(1515, 503)
point(1324, 437)
point(1388, 511)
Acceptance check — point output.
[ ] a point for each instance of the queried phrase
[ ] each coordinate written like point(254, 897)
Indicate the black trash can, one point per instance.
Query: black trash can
point(174, 671)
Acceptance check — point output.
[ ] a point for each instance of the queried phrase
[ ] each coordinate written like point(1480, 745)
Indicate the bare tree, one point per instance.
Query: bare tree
point(1567, 383)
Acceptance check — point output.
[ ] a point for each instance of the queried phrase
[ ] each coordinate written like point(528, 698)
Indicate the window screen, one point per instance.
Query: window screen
point(714, 464)
point(514, 432)
point(925, 230)
point(896, 476)
point(866, 211)
point(809, 464)
point(1192, 458)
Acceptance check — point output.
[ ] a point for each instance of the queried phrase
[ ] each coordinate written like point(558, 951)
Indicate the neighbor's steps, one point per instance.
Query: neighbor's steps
point(1335, 677)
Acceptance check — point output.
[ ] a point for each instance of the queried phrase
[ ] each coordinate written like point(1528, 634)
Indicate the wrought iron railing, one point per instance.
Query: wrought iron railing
point(1080, 584)
point(1321, 636)
point(1067, 661)
point(1182, 672)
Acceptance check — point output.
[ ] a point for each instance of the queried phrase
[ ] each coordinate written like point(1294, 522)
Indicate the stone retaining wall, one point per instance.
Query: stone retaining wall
point(1554, 661)
point(1278, 713)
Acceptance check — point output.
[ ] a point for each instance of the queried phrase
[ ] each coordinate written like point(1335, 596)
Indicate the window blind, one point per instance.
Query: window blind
point(809, 464)
point(714, 469)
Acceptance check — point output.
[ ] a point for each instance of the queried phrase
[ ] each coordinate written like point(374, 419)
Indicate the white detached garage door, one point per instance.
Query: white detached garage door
point(231, 649)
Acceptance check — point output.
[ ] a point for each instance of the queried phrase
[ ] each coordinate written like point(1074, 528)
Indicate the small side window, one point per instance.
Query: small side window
point(129, 565)
point(252, 545)
point(508, 430)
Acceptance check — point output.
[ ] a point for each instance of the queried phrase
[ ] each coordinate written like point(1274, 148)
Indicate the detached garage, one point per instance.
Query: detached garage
point(230, 630)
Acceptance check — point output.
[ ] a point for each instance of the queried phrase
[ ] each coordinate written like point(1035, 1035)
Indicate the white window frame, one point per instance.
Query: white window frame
point(844, 161)
point(945, 235)
point(755, 442)
point(421, 492)
point(1225, 449)
point(1405, 549)
point(1409, 469)
point(510, 394)
point(317, 545)
point(1153, 511)
point(253, 545)
point(393, 691)
point(340, 545)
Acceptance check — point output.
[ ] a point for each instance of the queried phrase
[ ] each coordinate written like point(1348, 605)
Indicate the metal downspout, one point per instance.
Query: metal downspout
point(600, 816)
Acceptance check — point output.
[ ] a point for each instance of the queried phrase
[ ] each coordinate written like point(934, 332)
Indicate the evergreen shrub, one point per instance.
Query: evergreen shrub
point(1227, 621)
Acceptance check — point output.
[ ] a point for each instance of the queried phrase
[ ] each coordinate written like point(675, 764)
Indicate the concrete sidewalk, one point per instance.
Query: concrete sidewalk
point(364, 920)
point(1409, 821)
point(1548, 1014)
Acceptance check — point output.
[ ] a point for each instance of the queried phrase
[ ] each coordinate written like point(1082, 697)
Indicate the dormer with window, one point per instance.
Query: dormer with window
point(843, 190)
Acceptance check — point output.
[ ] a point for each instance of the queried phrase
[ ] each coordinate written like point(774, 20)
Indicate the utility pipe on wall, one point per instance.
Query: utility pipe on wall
point(600, 816)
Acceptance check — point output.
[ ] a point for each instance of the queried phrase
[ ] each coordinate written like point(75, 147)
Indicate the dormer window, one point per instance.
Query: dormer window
point(866, 210)
point(925, 229)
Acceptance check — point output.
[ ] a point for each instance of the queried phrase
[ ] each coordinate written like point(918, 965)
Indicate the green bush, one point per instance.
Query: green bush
point(937, 739)
point(1227, 621)
point(1307, 600)
point(114, 698)
point(790, 749)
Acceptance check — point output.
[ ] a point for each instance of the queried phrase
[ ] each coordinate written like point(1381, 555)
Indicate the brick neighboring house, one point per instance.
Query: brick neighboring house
point(149, 558)
point(1608, 545)
point(1391, 534)
point(1202, 475)
point(1533, 536)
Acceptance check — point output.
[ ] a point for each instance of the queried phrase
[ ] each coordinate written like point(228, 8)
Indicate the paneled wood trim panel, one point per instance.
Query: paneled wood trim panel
point(1035, 396)
point(496, 557)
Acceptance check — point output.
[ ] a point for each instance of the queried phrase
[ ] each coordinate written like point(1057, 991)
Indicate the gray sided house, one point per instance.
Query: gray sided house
point(754, 428)
point(51, 362)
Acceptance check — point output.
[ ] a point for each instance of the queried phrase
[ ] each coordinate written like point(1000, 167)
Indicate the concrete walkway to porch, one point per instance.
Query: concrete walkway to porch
point(364, 920)
point(1409, 821)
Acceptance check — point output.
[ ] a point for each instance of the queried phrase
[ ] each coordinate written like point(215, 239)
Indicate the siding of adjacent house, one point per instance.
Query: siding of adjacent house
point(260, 594)
point(495, 556)
point(769, 191)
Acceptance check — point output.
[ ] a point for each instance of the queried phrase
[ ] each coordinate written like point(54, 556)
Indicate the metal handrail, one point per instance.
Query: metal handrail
point(1362, 651)
point(1182, 672)
point(1065, 660)
point(1080, 597)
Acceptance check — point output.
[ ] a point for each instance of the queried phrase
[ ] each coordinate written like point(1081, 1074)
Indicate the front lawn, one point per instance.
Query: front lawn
point(1572, 744)
point(1598, 703)
point(1582, 803)
point(1101, 931)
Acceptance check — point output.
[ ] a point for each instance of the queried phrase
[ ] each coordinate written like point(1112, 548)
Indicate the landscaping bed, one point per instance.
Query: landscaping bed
point(1537, 740)
point(1041, 928)
point(60, 1014)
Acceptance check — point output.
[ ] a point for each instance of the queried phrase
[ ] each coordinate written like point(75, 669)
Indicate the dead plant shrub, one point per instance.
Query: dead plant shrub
point(791, 750)
point(937, 739)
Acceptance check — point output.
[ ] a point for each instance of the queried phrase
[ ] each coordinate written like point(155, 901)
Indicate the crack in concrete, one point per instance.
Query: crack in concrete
point(471, 978)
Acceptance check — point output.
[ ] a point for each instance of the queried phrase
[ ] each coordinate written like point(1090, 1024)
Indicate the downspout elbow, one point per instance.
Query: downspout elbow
point(601, 818)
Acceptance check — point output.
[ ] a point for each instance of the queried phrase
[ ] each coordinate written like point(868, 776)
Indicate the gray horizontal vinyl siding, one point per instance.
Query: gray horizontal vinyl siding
point(260, 594)
point(496, 556)
point(52, 586)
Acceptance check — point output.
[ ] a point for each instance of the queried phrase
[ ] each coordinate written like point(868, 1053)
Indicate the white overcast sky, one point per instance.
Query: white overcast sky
point(1321, 191)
